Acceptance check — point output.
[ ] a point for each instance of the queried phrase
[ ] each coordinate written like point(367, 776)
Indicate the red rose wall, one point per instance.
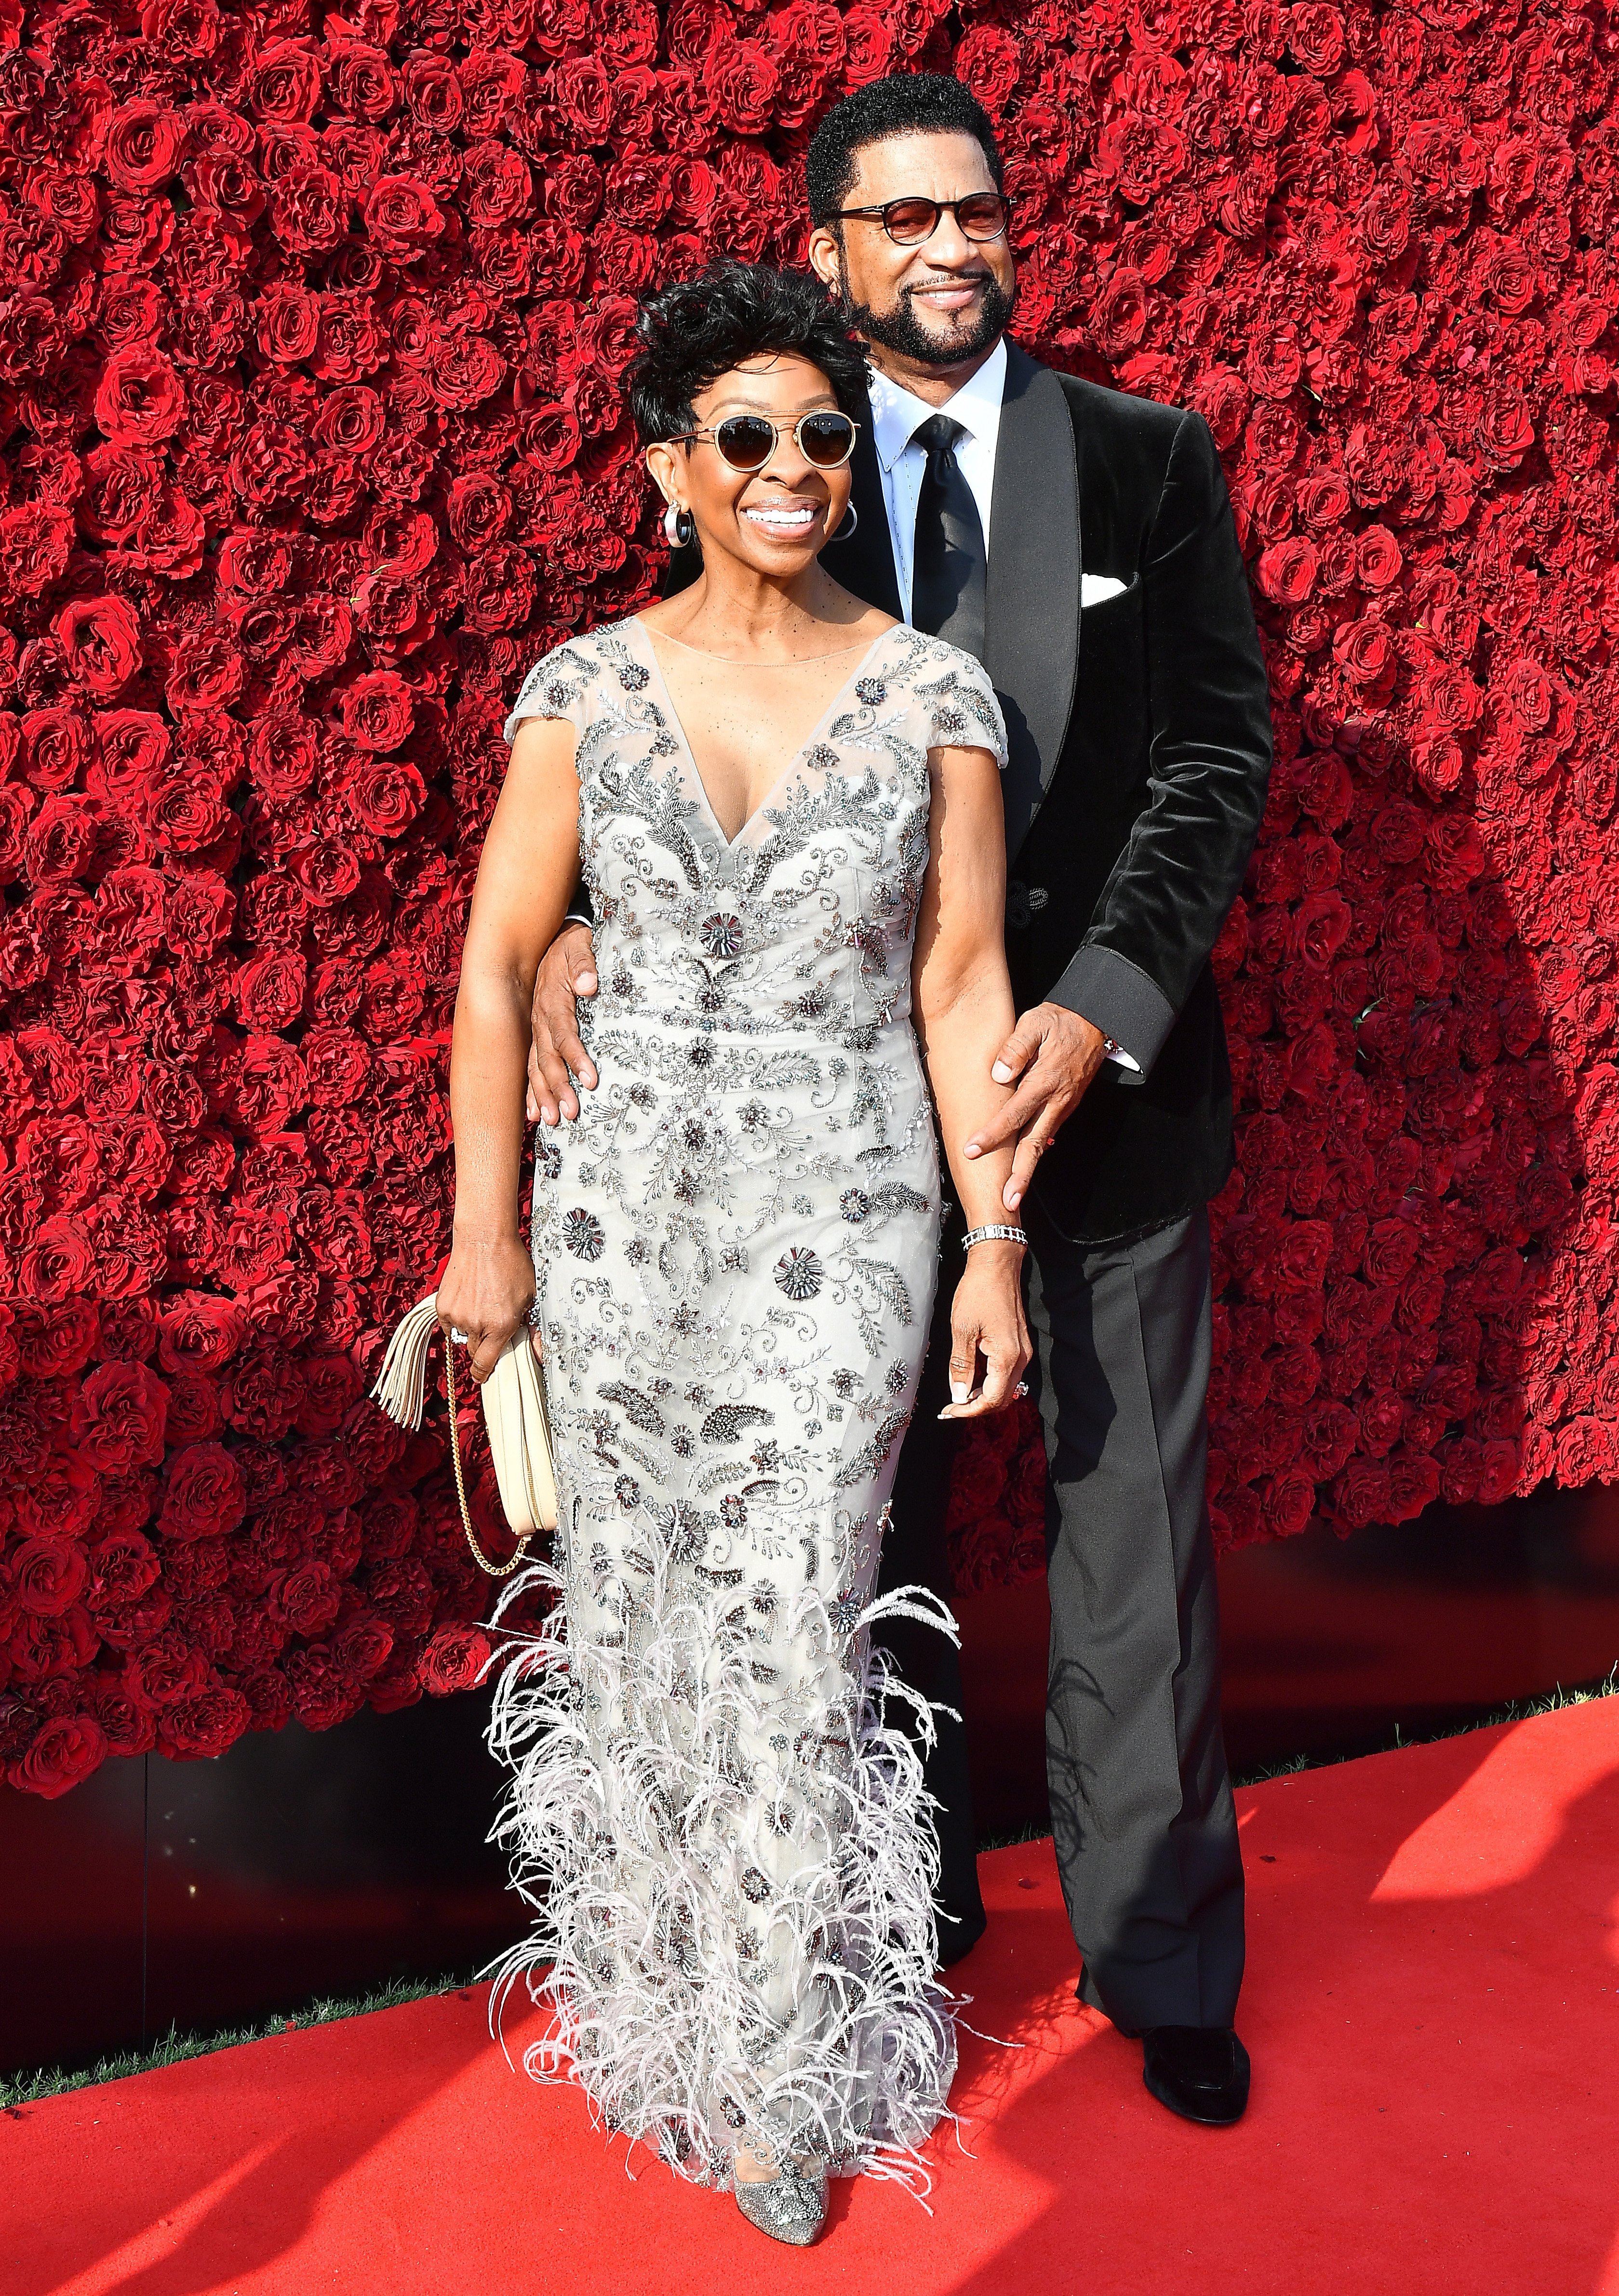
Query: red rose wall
point(310, 332)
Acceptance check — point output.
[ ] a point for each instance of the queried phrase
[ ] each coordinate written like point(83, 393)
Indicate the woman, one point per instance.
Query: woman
point(789, 817)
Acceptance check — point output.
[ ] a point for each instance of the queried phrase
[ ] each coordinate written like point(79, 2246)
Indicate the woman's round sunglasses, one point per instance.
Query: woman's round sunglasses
point(826, 440)
point(908, 222)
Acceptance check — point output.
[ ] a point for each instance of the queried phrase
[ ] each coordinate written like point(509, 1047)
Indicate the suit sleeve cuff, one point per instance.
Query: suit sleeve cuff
point(1116, 997)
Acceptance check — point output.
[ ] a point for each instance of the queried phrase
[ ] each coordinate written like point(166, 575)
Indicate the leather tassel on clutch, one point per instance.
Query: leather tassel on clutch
point(514, 1399)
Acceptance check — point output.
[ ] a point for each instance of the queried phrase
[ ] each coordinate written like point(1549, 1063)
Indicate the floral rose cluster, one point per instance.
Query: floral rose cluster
point(311, 324)
point(1371, 246)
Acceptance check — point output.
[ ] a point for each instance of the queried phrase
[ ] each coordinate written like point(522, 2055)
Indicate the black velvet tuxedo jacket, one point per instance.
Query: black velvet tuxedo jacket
point(1139, 730)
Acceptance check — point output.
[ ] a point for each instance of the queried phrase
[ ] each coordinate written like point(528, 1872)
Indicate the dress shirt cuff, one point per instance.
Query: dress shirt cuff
point(1116, 997)
point(580, 914)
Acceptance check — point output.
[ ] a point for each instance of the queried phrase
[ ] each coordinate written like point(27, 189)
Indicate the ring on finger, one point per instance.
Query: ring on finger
point(459, 1337)
point(1021, 1388)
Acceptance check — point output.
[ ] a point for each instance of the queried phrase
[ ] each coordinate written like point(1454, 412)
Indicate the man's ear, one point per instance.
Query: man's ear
point(827, 258)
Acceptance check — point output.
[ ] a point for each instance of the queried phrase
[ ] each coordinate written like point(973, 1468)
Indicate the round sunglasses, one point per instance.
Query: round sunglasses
point(909, 222)
point(747, 442)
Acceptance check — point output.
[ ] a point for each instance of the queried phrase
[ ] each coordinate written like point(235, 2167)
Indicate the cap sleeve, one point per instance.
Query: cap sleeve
point(963, 713)
point(555, 687)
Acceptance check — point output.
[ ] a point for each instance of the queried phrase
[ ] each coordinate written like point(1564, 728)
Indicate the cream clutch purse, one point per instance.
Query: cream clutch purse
point(514, 1412)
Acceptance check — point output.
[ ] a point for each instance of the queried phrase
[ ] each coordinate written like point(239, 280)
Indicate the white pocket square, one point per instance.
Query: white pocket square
point(1095, 588)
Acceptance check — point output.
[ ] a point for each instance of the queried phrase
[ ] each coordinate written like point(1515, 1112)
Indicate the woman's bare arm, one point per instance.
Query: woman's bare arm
point(962, 997)
point(526, 878)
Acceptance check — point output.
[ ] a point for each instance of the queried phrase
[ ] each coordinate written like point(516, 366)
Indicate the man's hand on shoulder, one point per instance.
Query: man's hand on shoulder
point(1051, 1055)
point(556, 1057)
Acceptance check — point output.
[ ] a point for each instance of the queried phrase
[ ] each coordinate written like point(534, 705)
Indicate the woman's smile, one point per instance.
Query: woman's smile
point(785, 518)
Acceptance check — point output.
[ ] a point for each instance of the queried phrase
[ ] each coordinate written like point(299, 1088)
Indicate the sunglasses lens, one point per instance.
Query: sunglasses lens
point(826, 440)
point(983, 217)
point(910, 220)
point(747, 441)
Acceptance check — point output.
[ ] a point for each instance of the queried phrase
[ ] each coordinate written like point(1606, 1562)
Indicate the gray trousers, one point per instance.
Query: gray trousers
point(1146, 1834)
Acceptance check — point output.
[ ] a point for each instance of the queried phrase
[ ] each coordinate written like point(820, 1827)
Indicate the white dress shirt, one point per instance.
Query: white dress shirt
point(896, 416)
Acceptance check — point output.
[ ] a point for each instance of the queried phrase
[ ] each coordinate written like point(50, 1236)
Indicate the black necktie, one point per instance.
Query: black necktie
point(948, 568)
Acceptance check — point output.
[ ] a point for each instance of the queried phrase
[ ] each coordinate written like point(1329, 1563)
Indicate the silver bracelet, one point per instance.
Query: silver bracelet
point(993, 1235)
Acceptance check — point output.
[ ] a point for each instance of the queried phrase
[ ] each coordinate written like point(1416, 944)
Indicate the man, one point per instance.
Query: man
point(1081, 543)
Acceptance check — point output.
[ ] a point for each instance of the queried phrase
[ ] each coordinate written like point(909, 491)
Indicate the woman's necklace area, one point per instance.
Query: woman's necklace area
point(737, 661)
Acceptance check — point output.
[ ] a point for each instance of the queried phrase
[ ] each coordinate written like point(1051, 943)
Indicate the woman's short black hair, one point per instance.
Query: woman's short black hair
point(905, 103)
point(697, 329)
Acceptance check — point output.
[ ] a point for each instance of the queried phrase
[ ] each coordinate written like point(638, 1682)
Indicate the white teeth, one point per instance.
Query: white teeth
point(791, 519)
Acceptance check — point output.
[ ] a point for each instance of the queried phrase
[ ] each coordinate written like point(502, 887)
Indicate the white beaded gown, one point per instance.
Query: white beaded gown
point(729, 1848)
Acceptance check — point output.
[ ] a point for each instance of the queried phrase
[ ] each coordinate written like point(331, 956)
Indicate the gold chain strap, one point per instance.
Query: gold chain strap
point(495, 1569)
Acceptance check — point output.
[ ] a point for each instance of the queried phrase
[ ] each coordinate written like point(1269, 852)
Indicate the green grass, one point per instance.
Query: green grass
point(176, 2047)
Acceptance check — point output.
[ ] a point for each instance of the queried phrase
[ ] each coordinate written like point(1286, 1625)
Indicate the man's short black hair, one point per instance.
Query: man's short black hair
point(698, 329)
point(905, 103)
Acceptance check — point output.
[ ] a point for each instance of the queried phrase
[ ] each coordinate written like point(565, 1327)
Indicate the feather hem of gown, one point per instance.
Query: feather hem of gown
point(653, 2013)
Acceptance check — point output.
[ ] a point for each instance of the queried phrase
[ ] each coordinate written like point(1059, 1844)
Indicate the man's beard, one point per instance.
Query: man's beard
point(900, 329)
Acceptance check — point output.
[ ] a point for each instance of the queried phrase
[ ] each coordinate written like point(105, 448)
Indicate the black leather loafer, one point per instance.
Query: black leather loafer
point(1199, 2071)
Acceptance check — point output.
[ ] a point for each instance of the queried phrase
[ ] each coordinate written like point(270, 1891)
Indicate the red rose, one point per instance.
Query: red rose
point(1413, 1484)
point(269, 992)
point(205, 1494)
point(308, 1598)
point(269, 1697)
point(351, 420)
point(118, 1417)
point(285, 88)
point(125, 1566)
point(361, 1649)
point(48, 1576)
point(35, 540)
point(288, 324)
point(59, 1263)
point(377, 710)
point(62, 840)
point(1505, 432)
point(102, 641)
point(386, 795)
point(310, 208)
point(144, 142)
point(66, 1750)
point(163, 1669)
point(455, 1658)
point(201, 1723)
point(141, 400)
point(402, 215)
point(126, 1727)
point(323, 1694)
point(200, 1332)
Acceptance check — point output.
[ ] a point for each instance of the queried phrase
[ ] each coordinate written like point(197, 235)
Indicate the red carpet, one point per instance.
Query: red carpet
point(1432, 1999)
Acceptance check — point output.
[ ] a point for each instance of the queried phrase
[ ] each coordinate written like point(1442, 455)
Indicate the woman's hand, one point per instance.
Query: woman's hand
point(989, 1348)
point(486, 1291)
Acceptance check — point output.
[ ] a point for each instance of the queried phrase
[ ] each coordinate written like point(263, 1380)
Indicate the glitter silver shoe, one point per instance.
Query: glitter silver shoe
point(791, 2208)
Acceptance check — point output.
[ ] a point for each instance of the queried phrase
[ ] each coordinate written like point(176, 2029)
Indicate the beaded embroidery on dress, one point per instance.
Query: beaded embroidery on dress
point(729, 1848)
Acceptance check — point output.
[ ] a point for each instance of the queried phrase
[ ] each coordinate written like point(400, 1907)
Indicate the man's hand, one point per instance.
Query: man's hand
point(1055, 1053)
point(556, 1058)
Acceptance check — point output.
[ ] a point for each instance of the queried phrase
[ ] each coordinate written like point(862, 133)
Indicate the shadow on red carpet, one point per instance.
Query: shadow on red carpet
point(1432, 2005)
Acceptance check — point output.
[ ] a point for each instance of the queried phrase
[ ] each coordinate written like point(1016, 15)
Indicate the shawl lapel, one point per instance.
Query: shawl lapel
point(1032, 605)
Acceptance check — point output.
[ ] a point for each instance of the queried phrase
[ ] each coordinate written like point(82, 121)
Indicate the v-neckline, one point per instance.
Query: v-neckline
point(730, 844)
